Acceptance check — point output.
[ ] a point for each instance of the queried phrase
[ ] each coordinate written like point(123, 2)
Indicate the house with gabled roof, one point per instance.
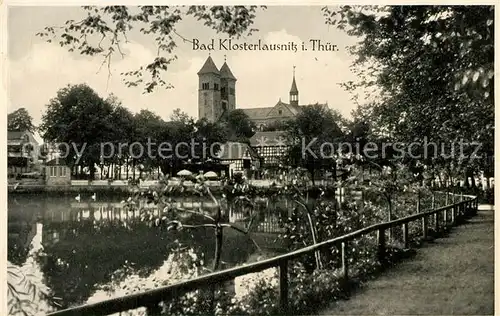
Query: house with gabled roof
point(271, 146)
point(239, 157)
point(22, 152)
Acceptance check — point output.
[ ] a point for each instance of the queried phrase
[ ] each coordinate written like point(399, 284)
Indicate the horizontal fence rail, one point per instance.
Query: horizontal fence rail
point(448, 215)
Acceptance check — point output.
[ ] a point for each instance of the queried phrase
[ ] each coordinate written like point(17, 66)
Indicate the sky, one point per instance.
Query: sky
point(37, 70)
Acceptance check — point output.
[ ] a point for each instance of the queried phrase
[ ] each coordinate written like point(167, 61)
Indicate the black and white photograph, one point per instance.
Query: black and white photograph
point(306, 159)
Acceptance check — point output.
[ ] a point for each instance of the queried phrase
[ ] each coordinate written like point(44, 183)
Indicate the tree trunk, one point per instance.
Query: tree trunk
point(92, 171)
point(473, 179)
point(126, 166)
point(218, 247)
point(133, 169)
point(390, 217)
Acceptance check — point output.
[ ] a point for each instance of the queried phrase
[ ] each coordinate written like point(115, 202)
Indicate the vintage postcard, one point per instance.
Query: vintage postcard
point(250, 160)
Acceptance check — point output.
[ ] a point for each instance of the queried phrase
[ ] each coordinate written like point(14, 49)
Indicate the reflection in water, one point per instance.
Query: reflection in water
point(178, 266)
point(27, 289)
point(91, 250)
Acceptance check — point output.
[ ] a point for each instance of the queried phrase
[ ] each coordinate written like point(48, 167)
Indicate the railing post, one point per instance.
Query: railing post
point(445, 218)
point(283, 274)
point(406, 241)
point(446, 199)
point(424, 227)
point(436, 222)
point(345, 268)
point(418, 203)
point(381, 246)
point(454, 215)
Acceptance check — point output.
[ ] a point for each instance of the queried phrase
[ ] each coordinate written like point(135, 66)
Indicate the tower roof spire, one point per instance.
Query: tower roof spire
point(225, 72)
point(293, 89)
point(208, 67)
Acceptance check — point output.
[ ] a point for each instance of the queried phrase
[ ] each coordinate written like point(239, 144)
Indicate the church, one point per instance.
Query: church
point(217, 97)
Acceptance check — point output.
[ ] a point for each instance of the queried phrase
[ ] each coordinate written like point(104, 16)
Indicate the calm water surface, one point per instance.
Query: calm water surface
point(90, 247)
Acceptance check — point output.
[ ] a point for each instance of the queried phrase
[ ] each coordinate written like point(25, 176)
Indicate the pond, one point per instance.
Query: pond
point(91, 248)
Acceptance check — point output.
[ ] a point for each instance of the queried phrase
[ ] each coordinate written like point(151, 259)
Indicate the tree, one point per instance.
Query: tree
point(315, 134)
point(180, 116)
point(81, 121)
point(103, 32)
point(433, 68)
point(239, 125)
point(189, 142)
point(124, 135)
point(147, 129)
point(275, 126)
point(20, 120)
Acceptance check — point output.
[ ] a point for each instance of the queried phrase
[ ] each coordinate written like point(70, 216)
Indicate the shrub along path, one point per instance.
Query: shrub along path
point(451, 275)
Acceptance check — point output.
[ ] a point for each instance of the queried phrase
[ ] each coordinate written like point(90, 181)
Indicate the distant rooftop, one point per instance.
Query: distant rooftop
point(262, 113)
point(270, 138)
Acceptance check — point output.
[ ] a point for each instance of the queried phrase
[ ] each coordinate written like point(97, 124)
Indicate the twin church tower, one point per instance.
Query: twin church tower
point(217, 91)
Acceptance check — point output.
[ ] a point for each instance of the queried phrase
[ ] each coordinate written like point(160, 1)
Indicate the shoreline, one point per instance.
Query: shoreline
point(216, 188)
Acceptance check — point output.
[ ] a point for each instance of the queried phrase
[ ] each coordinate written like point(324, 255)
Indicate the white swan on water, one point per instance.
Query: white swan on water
point(93, 197)
point(78, 198)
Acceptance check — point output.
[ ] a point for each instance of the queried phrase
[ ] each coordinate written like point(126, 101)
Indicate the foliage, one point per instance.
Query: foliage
point(239, 125)
point(181, 264)
point(275, 126)
point(432, 67)
point(171, 216)
point(27, 293)
point(25, 297)
point(104, 31)
point(79, 118)
point(332, 221)
point(20, 120)
point(94, 131)
point(314, 133)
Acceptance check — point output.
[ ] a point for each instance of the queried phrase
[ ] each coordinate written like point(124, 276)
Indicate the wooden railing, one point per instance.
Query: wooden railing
point(443, 217)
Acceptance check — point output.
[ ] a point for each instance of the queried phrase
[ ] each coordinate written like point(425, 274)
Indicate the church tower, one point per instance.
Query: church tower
point(209, 91)
point(294, 92)
point(228, 88)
